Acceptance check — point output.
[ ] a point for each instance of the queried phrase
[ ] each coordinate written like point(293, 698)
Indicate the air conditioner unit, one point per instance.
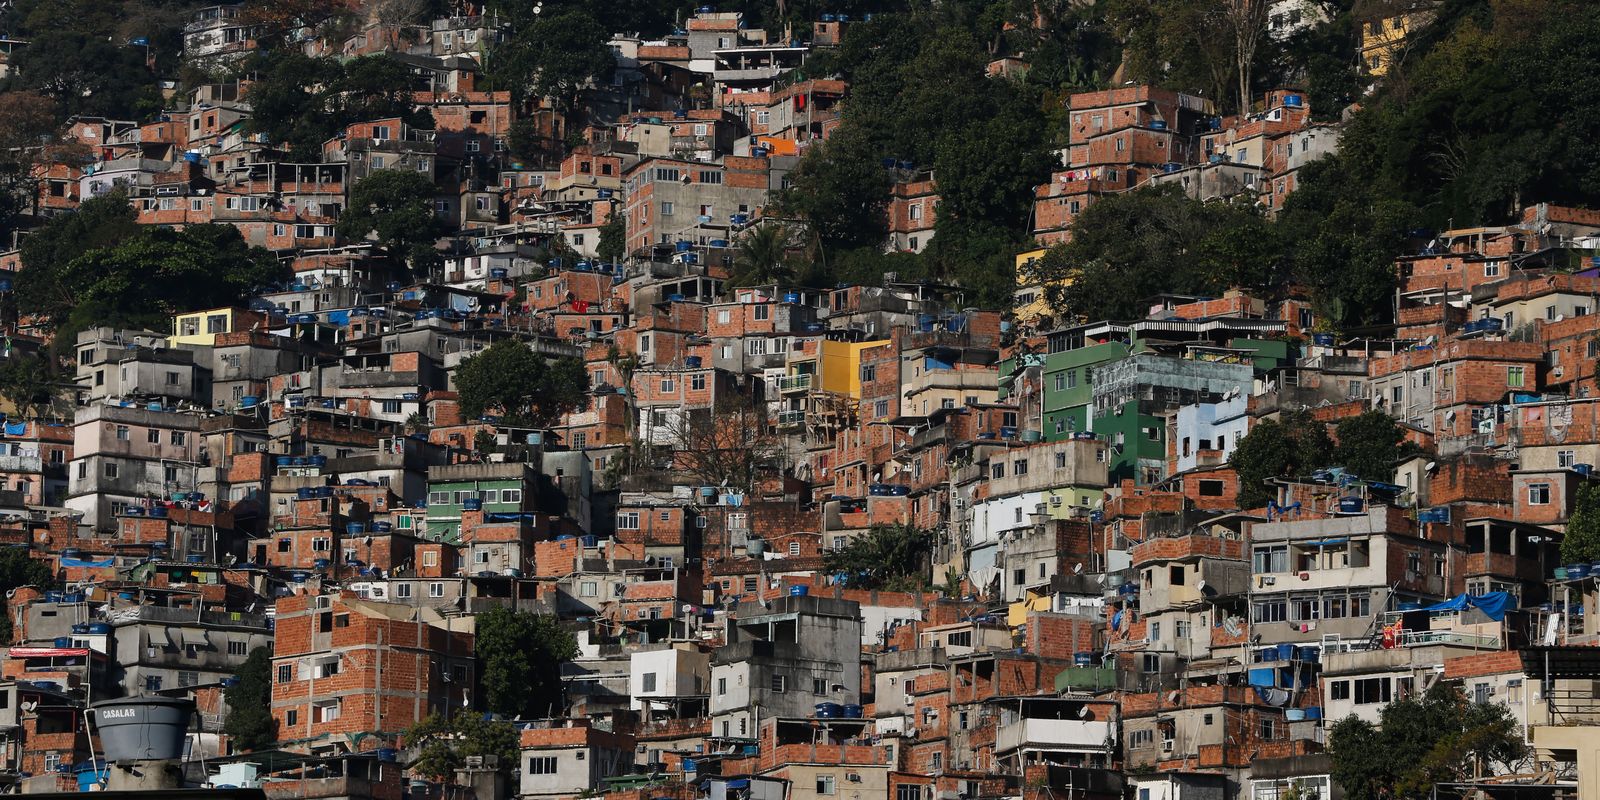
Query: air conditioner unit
point(1558, 372)
point(852, 777)
point(1268, 580)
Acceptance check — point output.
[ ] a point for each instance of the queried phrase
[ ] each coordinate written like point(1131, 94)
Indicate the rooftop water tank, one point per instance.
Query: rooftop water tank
point(143, 728)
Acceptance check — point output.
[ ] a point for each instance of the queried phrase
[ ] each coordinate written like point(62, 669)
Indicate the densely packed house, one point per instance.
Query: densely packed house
point(1097, 613)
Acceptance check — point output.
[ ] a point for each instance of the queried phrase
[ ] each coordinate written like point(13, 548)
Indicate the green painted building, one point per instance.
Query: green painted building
point(495, 488)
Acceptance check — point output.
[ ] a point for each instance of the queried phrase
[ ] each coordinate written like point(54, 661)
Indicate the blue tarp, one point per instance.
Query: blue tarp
point(1492, 604)
point(16, 429)
point(80, 562)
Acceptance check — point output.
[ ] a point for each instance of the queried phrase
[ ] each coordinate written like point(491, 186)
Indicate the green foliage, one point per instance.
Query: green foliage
point(841, 190)
point(762, 257)
point(553, 52)
point(99, 267)
point(1581, 541)
point(1370, 444)
point(302, 101)
point(395, 207)
point(525, 388)
point(1438, 737)
point(86, 74)
point(519, 658)
point(29, 383)
point(443, 745)
point(250, 724)
point(1155, 240)
point(885, 557)
point(1296, 445)
point(613, 245)
point(18, 568)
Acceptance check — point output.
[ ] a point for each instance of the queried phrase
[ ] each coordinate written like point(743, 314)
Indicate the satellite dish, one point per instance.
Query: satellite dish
point(1200, 586)
point(1431, 466)
point(1077, 569)
point(1083, 712)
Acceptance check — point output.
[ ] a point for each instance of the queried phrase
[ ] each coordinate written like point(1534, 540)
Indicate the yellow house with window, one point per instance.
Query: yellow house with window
point(201, 327)
point(1382, 38)
point(839, 367)
point(1028, 301)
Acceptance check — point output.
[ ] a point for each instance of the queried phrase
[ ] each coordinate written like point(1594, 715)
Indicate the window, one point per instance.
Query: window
point(1372, 690)
point(152, 683)
point(325, 711)
point(722, 686)
point(122, 432)
point(111, 471)
point(824, 784)
point(1271, 559)
point(1269, 611)
point(179, 438)
point(542, 765)
point(402, 591)
point(649, 682)
point(779, 683)
point(436, 589)
point(763, 312)
point(1019, 467)
point(588, 589)
point(628, 521)
point(1514, 376)
point(1565, 458)
point(291, 716)
point(1538, 494)
point(869, 373)
point(666, 208)
point(237, 648)
point(152, 436)
point(1339, 690)
point(697, 382)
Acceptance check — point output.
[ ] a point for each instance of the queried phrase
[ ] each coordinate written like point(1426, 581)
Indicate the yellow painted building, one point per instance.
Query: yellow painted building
point(201, 327)
point(839, 367)
point(1028, 300)
point(1383, 38)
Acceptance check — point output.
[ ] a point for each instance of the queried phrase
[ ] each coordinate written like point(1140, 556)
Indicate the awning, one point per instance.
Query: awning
point(1326, 542)
point(1492, 604)
point(195, 637)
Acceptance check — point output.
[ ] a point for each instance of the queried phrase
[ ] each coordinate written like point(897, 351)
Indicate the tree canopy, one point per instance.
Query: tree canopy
point(1420, 741)
point(893, 557)
point(250, 724)
point(98, 266)
point(395, 207)
point(443, 745)
point(1370, 444)
point(302, 101)
point(1296, 445)
point(519, 662)
point(524, 388)
point(1580, 544)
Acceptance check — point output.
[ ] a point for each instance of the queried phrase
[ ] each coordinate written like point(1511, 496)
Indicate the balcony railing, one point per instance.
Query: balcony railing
point(795, 383)
point(788, 419)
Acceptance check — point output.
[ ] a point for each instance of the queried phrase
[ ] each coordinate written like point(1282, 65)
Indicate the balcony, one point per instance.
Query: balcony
point(795, 384)
point(1052, 734)
point(791, 419)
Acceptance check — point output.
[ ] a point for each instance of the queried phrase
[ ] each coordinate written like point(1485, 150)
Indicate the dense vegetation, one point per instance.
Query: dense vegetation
point(519, 661)
point(1369, 446)
point(1436, 737)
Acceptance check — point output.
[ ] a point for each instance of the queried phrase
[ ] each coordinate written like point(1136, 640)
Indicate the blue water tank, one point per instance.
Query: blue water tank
point(1351, 505)
point(159, 512)
point(356, 527)
point(799, 590)
point(792, 298)
point(472, 504)
point(1292, 101)
point(692, 362)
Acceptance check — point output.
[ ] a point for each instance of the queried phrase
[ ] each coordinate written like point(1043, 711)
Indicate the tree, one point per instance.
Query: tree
point(1297, 445)
point(525, 388)
point(42, 285)
point(1580, 544)
point(86, 74)
point(443, 745)
point(1439, 737)
point(29, 383)
point(613, 245)
point(555, 54)
point(1370, 444)
point(519, 657)
point(28, 128)
point(841, 190)
point(250, 724)
point(394, 207)
point(18, 568)
point(1155, 240)
point(762, 257)
point(97, 266)
point(885, 557)
point(731, 444)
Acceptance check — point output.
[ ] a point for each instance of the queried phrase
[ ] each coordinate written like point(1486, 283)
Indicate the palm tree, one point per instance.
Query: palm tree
point(762, 257)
